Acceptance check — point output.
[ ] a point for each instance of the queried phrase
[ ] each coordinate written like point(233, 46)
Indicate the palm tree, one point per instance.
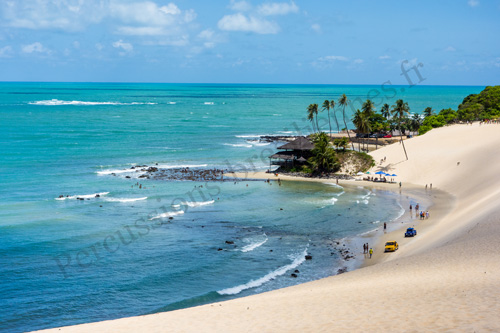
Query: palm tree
point(386, 113)
point(416, 122)
point(312, 110)
point(362, 123)
point(324, 157)
point(344, 101)
point(332, 105)
point(428, 112)
point(368, 108)
point(326, 105)
point(401, 110)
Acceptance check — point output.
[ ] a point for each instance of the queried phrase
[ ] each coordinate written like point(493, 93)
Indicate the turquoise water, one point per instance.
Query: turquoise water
point(65, 262)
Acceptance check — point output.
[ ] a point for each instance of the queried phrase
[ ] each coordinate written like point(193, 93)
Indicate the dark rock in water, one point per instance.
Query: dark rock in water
point(203, 226)
point(81, 199)
point(113, 174)
point(229, 242)
point(170, 218)
point(270, 250)
point(308, 257)
point(281, 208)
point(152, 169)
point(127, 176)
point(296, 271)
point(132, 168)
point(143, 176)
point(100, 205)
point(293, 275)
point(342, 270)
point(219, 249)
point(61, 196)
point(97, 196)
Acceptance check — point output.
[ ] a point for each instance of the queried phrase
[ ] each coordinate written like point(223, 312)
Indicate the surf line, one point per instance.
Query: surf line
point(130, 233)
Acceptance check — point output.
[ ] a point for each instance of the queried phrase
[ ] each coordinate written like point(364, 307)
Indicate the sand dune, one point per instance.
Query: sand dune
point(445, 279)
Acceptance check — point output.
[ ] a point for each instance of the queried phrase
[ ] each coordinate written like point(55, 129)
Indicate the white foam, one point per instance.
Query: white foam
point(248, 136)
point(261, 143)
point(298, 260)
point(111, 171)
point(254, 245)
point(54, 102)
point(169, 166)
point(84, 196)
point(125, 199)
point(167, 214)
point(238, 145)
point(209, 103)
point(172, 103)
point(197, 204)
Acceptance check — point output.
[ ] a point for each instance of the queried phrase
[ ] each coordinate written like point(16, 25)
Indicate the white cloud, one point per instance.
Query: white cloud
point(384, 57)
point(278, 8)
point(36, 47)
point(358, 61)
point(450, 49)
point(149, 19)
point(209, 37)
point(99, 46)
point(68, 15)
point(240, 6)
point(136, 18)
point(126, 47)
point(6, 52)
point(333, 58)
point(316, 27)
point(239, 22)
point(473, 3)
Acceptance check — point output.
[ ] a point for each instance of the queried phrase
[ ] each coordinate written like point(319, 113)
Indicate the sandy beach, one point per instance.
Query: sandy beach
point(447, 278)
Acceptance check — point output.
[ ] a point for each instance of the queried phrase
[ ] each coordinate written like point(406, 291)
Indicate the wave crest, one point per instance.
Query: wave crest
point(298, 260)
point(56, 102)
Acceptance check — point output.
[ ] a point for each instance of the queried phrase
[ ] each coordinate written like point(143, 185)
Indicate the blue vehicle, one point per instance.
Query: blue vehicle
point(410, 232)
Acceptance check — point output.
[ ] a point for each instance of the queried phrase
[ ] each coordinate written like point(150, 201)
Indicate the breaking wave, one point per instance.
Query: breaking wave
point(296, 261)
point(84, 196)
point(54, 102)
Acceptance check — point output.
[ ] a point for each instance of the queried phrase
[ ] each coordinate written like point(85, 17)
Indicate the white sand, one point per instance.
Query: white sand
point(445, 279)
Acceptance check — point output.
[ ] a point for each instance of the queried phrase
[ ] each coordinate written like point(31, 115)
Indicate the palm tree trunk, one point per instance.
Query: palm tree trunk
point(317, 126)
point(401, 136)
point(336, 121)
point(329, 124)
point(345, 124)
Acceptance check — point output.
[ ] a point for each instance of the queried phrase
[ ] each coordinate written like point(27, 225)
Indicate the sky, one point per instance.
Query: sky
point(445, 42)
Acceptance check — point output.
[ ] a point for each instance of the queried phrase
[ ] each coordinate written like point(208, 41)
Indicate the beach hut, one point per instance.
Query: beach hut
point(299, 150)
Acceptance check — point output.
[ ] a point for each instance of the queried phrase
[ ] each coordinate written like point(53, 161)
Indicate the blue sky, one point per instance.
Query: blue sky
point(451, 42)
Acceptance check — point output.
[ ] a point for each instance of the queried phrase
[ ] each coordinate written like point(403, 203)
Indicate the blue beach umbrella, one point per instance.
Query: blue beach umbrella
point(394, 175)
point(380, 173)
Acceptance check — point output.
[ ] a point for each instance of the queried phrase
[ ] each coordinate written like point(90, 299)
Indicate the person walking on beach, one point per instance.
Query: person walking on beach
point(371, 252)
point(385, 226)
point(364, 248)
point(410, 207)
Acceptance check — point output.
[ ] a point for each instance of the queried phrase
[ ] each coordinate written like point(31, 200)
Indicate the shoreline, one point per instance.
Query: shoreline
point(446, 278)
point(437, 202)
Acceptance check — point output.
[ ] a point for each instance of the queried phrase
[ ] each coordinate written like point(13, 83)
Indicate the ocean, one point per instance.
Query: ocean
point(116, 245)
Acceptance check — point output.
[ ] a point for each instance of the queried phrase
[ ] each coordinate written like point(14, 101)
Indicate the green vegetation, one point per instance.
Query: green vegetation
point(324, 158)
point(482, 106)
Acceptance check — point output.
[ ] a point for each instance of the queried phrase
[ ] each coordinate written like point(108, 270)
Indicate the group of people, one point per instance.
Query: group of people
point(422, 214)
point(367, 250)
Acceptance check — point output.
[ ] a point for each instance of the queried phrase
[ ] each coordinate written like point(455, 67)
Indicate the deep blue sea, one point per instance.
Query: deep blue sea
point(65, 261)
